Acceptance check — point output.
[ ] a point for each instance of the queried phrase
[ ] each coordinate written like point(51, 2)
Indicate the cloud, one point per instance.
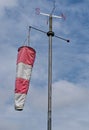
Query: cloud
point(66, 93)
point(67, 101)
point(6, 4)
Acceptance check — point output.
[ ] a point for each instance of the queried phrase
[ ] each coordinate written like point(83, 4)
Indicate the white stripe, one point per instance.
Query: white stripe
point(19, 101)
point(23, 71)
point(55, 16)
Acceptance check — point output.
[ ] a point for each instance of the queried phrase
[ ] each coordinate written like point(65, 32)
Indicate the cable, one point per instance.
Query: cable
point(29, 36)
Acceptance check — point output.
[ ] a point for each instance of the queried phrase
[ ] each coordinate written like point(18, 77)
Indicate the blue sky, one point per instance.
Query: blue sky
point(70, 65)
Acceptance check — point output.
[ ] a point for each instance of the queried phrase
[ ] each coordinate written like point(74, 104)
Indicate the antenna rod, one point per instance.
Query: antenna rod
point(37, 29)
point(62, 38)
point(46, 33)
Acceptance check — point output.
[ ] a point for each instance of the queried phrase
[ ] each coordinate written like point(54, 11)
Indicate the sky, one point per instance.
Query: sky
point(70, 64)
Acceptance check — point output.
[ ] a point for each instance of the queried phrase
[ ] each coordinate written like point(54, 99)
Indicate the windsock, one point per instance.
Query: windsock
point(25, 61)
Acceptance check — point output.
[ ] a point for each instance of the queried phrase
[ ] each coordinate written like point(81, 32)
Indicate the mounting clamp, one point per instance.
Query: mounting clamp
point(50, 33)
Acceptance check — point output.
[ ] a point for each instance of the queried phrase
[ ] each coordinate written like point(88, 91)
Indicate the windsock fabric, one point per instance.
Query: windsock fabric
point(25, 61)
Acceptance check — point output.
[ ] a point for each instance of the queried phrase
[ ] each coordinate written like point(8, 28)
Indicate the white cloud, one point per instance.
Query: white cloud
point(66, 93)
point(7, 4)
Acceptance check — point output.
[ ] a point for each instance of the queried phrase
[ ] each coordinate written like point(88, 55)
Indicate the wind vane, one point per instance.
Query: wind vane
point(45, 14)
point(51, 15)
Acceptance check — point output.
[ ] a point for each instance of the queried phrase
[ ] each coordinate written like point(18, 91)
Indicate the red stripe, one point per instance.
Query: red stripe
point(21, 86)
point(26, 55)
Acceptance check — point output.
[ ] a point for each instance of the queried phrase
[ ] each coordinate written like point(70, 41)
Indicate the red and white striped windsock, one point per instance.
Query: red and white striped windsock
point(25, 61)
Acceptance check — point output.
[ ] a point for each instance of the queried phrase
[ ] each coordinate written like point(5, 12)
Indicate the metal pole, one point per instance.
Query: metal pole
point(50, 34)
